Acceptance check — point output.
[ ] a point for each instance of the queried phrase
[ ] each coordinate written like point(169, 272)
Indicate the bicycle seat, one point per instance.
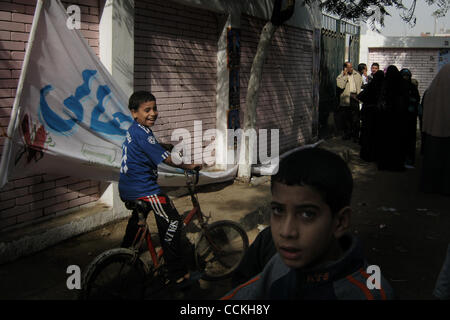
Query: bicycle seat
point(138, 205)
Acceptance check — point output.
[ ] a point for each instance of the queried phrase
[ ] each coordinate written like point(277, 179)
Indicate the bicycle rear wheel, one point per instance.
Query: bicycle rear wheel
point(220, 249)
point(116, 274)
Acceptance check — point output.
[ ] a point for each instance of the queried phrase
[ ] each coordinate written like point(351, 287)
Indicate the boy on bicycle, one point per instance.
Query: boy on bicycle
point(141, 155)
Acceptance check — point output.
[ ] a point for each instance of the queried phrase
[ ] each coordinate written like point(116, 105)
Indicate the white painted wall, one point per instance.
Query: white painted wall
point(369, 39)
point(116, 33)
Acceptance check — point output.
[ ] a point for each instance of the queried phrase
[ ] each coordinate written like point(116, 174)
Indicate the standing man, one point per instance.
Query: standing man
point(350, 82)
point(362, 70)
point(373, 69)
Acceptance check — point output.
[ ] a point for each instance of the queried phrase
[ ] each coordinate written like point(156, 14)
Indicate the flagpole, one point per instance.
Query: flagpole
point(15, 110)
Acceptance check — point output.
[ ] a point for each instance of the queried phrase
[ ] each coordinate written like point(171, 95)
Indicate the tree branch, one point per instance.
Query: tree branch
point(375, 10)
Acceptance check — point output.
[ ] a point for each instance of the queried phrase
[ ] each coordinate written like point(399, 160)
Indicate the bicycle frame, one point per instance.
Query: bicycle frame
point(145, 232)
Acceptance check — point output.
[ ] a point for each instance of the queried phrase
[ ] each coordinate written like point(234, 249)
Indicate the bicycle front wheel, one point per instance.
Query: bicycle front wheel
point(220, 249)
point(116, 274)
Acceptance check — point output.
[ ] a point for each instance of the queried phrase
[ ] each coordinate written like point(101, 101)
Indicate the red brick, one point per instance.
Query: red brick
point(51, 177)
point(93, 42)
point(89, 3)
point(26, 2)
point(5, 223)
point(12, 7)
point(90, 34)
point(79, 186)
point(27, 181)
point(95, 183)
point(8, 64)
point(13, 194)
point(42, 204)
point(12, 26)
point(5, 74)
point(68, 196)
point(8, 83)
point(42, 187)
point(56, 208)
point(89, 18)
point(55, 192)
point(30, 198)
point(19, 17)
point(79, 201)
point(7, 204)
point(19, 36)
point(89, 191)
point(15, 74)
point(33, 215)
point(66, 181)
point(30, 10)
point(15, 211)
point(4, 122)
point(93, 27)
point(12, 45)
point(5, 16)
point(94, 11)
point(8, 186)
point(5, 35)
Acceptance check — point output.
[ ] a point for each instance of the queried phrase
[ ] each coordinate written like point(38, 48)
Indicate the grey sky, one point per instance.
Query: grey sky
point(395, 26)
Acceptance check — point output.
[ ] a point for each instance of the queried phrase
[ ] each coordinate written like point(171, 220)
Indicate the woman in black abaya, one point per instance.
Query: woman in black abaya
point(391, 122)
point(369, 97)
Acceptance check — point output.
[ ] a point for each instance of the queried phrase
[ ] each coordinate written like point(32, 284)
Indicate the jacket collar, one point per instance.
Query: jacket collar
point(351, 261)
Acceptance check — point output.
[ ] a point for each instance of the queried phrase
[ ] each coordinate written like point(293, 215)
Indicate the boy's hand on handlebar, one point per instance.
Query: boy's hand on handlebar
point(167, 146)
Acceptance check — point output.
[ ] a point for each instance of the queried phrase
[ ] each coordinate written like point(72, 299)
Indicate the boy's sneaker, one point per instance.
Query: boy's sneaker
point(183, 282)
point(179, 282)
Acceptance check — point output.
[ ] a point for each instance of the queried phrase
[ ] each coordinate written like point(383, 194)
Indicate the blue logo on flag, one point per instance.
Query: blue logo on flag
point(74, 109)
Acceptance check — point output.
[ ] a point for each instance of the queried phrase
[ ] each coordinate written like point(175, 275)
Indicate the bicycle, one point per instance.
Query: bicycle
point(121, 273)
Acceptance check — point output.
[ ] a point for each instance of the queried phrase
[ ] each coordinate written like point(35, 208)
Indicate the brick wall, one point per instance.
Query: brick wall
point(176, 59)
point(423, 63)
point(41, 196)
point(285, 99)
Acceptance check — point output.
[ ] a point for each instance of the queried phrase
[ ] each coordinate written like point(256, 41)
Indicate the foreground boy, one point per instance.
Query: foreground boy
point(138, 181)
point(316, 256)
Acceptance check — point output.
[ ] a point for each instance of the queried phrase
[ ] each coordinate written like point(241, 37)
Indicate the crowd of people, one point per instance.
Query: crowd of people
point(306, 252)
point(380, 111)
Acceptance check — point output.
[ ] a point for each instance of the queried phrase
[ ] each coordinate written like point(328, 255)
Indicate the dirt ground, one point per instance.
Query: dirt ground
point(403, 231)
point(42, 276)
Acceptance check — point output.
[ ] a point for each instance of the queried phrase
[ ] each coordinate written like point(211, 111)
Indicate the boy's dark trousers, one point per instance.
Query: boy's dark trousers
point(170, 230)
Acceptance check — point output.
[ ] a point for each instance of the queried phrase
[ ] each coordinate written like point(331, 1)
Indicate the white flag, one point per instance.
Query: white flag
point(71, 116)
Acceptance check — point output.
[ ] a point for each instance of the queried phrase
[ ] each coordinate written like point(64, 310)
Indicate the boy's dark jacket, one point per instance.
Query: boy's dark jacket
point(344, 279)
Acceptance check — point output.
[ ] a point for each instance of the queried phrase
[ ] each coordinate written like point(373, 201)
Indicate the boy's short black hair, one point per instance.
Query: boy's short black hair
point(322, 170)
point(375, 65)
point(138, 98)
point(361, 67)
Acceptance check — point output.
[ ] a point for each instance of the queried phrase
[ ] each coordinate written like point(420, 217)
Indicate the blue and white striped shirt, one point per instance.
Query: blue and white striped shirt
point(141, 155)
